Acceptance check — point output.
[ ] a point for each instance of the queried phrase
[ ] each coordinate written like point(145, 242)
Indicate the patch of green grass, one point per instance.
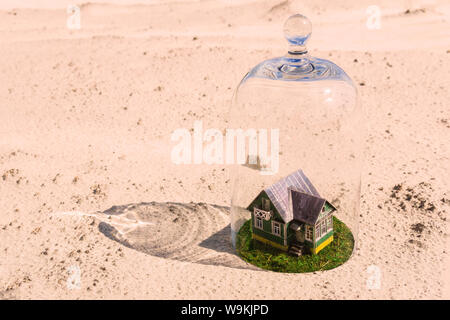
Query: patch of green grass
point(269, 258)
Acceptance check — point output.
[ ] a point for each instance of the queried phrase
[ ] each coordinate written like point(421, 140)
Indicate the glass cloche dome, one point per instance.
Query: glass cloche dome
point(297, 179)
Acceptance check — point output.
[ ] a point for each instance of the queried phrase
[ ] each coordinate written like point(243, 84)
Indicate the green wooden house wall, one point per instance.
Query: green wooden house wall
point(267, 225)
point(325, 237)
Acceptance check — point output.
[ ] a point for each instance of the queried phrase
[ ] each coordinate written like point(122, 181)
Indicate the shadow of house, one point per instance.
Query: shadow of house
point(191, 232)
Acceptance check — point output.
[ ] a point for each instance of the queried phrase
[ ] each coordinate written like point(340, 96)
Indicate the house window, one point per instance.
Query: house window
point(324, 226)
point(265, 204)
point(318, 234)
point(330, 222)
point(309, 233)
point(258, 223)
point(276, 228)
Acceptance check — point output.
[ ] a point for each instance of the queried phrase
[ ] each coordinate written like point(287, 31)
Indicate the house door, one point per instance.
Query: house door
point(300, 236)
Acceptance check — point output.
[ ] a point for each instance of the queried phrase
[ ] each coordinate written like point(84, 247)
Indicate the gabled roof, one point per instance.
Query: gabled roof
point(305, 207)
point(279, 192)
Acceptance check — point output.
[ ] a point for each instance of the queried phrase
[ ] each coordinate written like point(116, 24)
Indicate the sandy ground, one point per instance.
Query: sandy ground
point(85, 170)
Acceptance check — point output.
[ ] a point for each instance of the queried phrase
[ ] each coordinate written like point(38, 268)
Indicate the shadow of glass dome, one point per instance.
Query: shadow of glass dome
point(191, 232)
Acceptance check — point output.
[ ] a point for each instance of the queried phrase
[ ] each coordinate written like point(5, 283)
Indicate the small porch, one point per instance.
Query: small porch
point(297, 245)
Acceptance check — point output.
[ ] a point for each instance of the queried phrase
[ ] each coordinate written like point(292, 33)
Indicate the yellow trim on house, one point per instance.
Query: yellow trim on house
point(274, 244)
point(322, 245)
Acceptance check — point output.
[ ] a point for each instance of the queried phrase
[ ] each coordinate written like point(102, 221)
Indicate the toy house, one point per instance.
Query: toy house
point(290, 215)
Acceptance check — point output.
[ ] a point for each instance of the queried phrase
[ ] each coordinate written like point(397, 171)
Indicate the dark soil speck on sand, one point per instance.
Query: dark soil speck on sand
point(416, 198)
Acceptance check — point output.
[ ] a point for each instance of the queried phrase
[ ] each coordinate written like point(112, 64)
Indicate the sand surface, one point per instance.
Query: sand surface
point(87, 186)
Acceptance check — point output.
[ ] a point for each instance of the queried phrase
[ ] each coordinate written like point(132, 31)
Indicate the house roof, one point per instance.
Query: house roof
point(279, 193)
point(305, 207)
